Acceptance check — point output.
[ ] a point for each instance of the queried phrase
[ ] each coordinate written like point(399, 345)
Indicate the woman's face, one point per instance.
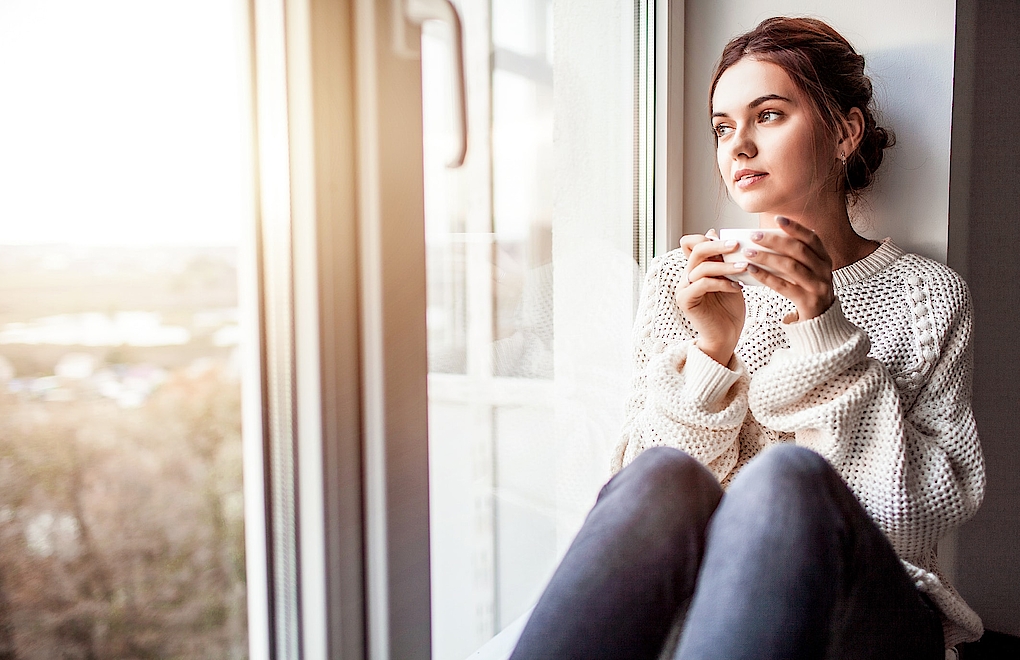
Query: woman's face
point(772, 151)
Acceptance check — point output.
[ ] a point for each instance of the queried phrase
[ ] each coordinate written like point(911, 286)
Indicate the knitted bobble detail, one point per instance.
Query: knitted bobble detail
point(922, 324)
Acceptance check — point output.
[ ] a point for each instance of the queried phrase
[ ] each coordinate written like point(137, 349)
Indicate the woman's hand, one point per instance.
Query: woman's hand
point(801, 271)
point(713, 304)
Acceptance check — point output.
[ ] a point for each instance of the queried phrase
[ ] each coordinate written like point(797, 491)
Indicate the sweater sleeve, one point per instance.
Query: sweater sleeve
point(681, 397)
point(918, 468)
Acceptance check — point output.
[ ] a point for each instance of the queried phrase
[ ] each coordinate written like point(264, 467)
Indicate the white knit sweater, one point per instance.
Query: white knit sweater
point(880, 385)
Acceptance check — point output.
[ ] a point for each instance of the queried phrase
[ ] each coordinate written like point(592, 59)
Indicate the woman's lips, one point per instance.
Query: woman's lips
point(744, 179)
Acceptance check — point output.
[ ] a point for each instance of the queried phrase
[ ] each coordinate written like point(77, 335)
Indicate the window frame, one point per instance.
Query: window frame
point(340, 552)
point(336, 462)
point(668, 94)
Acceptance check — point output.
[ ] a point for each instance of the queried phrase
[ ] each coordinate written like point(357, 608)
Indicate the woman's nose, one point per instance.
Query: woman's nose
point(742, 144)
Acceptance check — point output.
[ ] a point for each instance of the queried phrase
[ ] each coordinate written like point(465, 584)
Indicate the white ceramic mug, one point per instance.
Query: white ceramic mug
point(743, 238)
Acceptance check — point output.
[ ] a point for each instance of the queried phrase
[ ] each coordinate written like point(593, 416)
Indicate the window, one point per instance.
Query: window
point(534, 254)
point(526, 268)
point(489, 249)
point(123, 192)
point(122, 442)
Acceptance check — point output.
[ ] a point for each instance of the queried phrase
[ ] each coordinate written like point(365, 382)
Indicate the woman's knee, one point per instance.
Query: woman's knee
point(668, 476)
point(788, 467)
point(793, 484)
point(787, 479)
point(669, 470)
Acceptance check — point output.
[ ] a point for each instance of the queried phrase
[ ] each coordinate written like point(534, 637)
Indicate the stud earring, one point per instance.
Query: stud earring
point(842, 157)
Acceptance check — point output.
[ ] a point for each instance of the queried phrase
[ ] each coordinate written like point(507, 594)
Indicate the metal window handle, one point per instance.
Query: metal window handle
point(419, 11)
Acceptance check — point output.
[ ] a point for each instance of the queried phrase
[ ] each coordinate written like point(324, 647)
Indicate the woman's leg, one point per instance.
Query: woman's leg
point(794, 568)
point(631, 567)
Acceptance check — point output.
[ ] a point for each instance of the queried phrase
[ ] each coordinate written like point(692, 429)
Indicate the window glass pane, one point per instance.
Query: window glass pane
point(531, 259)
point(123, 192)
point(445, 225)
point(522, 215)
point(525, 494)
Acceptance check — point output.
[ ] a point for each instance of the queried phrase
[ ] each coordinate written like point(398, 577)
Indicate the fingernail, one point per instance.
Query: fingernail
point(757, 236)
point(749, 252)
point(781, 221)
point(739, 265)
point(711, 231)
point(736, 285)
point(730, 244)
point(752, 268)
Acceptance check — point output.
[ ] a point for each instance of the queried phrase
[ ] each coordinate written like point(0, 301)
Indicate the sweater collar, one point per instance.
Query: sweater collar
point(886, 253)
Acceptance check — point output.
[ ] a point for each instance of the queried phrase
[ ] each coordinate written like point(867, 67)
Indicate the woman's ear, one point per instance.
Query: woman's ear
point(853, 132)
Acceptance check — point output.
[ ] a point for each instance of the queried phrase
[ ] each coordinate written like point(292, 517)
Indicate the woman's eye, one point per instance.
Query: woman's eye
point(721, 130)
point(769, 115)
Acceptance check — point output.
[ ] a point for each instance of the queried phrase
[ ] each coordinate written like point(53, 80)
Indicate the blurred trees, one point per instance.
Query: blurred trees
point(121, 531)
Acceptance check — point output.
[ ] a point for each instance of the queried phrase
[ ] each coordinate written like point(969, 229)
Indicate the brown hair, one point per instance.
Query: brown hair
point(830, 72)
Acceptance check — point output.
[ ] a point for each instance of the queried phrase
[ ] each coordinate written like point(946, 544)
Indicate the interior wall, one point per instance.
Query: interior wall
point(909, 50)
point(984, 230)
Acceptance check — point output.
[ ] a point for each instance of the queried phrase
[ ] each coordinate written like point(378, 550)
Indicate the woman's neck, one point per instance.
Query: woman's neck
point(844, 245)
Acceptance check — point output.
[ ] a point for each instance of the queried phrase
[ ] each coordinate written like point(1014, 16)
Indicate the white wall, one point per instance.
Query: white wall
point(908, 46)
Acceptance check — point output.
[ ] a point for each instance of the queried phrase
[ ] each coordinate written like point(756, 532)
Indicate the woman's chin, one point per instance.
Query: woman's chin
point(749, 202)
point(753, 206)
point(758, 204)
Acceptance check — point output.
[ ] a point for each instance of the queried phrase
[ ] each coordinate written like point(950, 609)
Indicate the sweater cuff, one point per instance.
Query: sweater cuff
point(820, 334)
point(705, 379)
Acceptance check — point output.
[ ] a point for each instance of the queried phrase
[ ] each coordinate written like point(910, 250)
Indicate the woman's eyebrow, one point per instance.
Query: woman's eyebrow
point(765, 99)
point(755, 103)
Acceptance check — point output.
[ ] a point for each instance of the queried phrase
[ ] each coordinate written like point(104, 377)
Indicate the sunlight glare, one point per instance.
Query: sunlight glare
point(123, 122)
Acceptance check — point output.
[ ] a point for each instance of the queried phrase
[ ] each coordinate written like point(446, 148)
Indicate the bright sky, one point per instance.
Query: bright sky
point(122, 122)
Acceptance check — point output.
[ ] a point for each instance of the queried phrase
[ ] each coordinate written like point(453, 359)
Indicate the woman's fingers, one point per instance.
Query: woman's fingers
point(799, 268)
point(712, 304)
point(805, 235)
point(780, 285)
point(799, 255)
point(812, 246)
point(705, 285)
point(715, 269)
point(807, 251)
point(704, 259)
point(790, 277)
point(709, 250)
point(790, 269)
point(688, 241)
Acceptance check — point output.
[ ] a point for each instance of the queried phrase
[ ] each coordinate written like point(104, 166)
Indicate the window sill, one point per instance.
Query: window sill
point(502, 645)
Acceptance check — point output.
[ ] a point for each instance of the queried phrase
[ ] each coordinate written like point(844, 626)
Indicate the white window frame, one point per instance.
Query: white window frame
point(669, 124)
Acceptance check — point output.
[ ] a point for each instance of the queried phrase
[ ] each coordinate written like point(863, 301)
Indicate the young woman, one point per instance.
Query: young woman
point(793, 452)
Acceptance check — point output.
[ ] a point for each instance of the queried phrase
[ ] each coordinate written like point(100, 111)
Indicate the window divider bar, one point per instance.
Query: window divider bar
point(644, 132)
point(274, 212)
point(255, 448)
point(331, 243)
point(312, 369)
point(669, 124)
point(391, 233)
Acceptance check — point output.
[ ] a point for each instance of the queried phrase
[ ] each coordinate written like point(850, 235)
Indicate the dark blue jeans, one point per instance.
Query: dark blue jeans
point(785, 565)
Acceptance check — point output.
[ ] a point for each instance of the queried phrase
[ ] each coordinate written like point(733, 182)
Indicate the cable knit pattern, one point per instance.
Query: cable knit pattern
point(880, 385)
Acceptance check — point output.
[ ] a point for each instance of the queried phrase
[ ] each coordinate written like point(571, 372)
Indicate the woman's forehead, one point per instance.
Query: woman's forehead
point(749, 80)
